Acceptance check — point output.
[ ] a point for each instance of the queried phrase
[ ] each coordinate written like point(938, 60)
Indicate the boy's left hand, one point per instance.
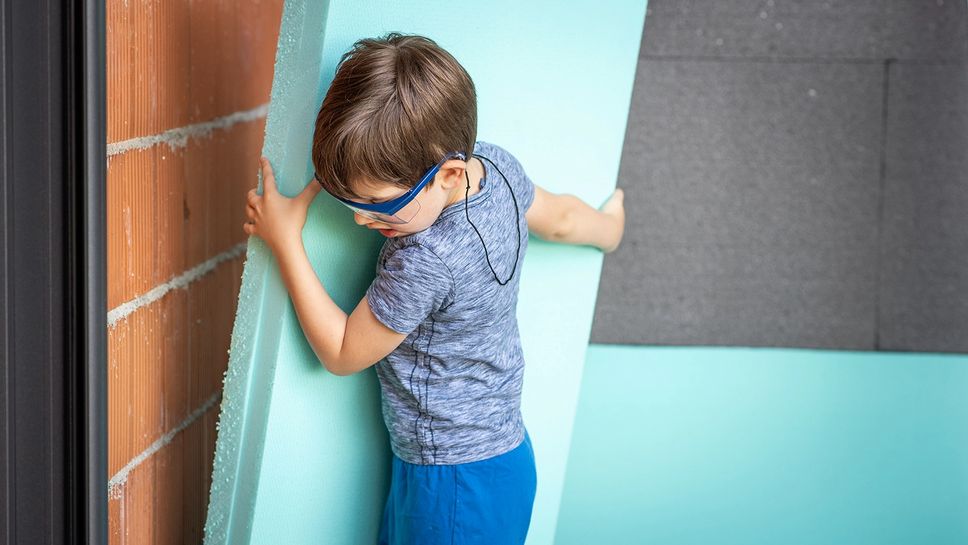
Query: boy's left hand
point(273, 217)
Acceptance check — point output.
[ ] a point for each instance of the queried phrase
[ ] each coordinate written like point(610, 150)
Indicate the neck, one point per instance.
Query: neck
point(475, 170)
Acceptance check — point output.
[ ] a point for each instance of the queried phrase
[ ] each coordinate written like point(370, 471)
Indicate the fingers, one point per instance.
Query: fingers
point(268, 178)
point(617, 196)
point(253, 200)
point(249, 225)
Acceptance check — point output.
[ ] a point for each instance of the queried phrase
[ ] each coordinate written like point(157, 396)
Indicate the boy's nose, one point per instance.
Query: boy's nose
point(360, 219)
point(363, 220)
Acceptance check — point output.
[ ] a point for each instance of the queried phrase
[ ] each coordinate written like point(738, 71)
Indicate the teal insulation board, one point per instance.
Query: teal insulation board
point(761, 446)
point(302, 455)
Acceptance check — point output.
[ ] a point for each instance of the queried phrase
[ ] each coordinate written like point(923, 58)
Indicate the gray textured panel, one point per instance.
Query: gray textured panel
point(856, 29)
point(752, 200)
point(924, 245)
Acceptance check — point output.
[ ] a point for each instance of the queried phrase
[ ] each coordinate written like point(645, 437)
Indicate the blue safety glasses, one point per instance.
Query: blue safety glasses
point(400, 209)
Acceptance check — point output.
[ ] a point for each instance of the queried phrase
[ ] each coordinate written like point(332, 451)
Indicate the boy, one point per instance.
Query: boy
point(395, 140)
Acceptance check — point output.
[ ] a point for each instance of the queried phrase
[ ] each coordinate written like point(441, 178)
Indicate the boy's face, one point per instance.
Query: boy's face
point(433, 198)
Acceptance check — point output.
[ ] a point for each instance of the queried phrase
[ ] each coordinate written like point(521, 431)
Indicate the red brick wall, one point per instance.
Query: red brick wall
point(176, 184)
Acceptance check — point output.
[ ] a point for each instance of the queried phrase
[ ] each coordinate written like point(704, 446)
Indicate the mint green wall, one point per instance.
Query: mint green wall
point(689, 446)
point(302, 455)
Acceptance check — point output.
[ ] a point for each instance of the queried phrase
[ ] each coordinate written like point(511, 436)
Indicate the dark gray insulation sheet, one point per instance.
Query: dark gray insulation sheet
point(929, 30)
point(786, 202)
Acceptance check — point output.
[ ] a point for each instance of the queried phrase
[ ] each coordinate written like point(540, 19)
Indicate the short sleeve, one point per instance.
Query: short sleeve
point(523, 188)
point(411, 283)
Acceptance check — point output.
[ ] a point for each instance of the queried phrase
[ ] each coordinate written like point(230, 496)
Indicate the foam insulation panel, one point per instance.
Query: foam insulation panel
point(756, 446)
point(302, 455)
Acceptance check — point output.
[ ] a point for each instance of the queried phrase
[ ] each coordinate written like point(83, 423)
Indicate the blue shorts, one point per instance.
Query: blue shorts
point(488, 501)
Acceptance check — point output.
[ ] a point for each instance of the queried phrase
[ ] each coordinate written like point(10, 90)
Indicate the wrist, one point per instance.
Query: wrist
point(288, 246)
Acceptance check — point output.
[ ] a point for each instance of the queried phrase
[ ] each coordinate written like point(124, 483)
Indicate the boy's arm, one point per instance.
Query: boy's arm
point(566, 218)
point(344, 344)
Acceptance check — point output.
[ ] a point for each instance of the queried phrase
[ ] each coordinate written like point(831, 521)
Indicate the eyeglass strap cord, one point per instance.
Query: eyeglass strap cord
point(517, 222)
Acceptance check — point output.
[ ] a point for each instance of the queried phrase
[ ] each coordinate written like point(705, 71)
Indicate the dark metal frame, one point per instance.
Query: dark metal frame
point(53, 339)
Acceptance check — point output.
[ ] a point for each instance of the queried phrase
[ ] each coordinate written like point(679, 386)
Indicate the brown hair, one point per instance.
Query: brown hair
point(396, 105)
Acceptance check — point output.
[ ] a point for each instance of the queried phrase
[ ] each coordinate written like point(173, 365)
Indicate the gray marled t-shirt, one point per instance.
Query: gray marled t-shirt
point(451, 392)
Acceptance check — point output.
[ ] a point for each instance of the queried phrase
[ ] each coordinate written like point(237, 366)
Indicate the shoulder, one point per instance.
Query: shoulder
point(497, 153)
point(417, 262)
point(421, 253)
point(417, 248)
point(508, 166)
point(411, 283)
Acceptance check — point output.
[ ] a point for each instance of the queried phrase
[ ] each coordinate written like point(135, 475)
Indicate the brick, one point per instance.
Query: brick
point(258, 34)
point(135, 384)
point(168, 515)
point(164, 499)
point(138, 504)
point(175, 356)
point(130, 225)
point(212, 305)
point(114, 519)
point(175, 63)
point(232, 55)
point(172, 209)
point(171, 64)
point(168, 358)
point(198, 460)
point(148, 70)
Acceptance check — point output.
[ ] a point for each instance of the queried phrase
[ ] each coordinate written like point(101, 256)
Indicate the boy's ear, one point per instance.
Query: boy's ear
point(451, 173)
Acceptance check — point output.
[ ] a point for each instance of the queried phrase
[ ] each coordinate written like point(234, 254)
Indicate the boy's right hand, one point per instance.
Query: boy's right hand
point(614, 209)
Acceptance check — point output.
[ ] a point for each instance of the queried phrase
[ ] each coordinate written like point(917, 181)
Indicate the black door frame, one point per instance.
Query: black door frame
point(53, 339)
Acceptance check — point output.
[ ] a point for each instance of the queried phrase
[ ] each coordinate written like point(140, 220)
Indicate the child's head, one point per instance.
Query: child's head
point(396, 106)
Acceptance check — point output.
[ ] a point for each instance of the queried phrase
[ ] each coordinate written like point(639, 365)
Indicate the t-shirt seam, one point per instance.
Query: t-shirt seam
point(408, 419)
